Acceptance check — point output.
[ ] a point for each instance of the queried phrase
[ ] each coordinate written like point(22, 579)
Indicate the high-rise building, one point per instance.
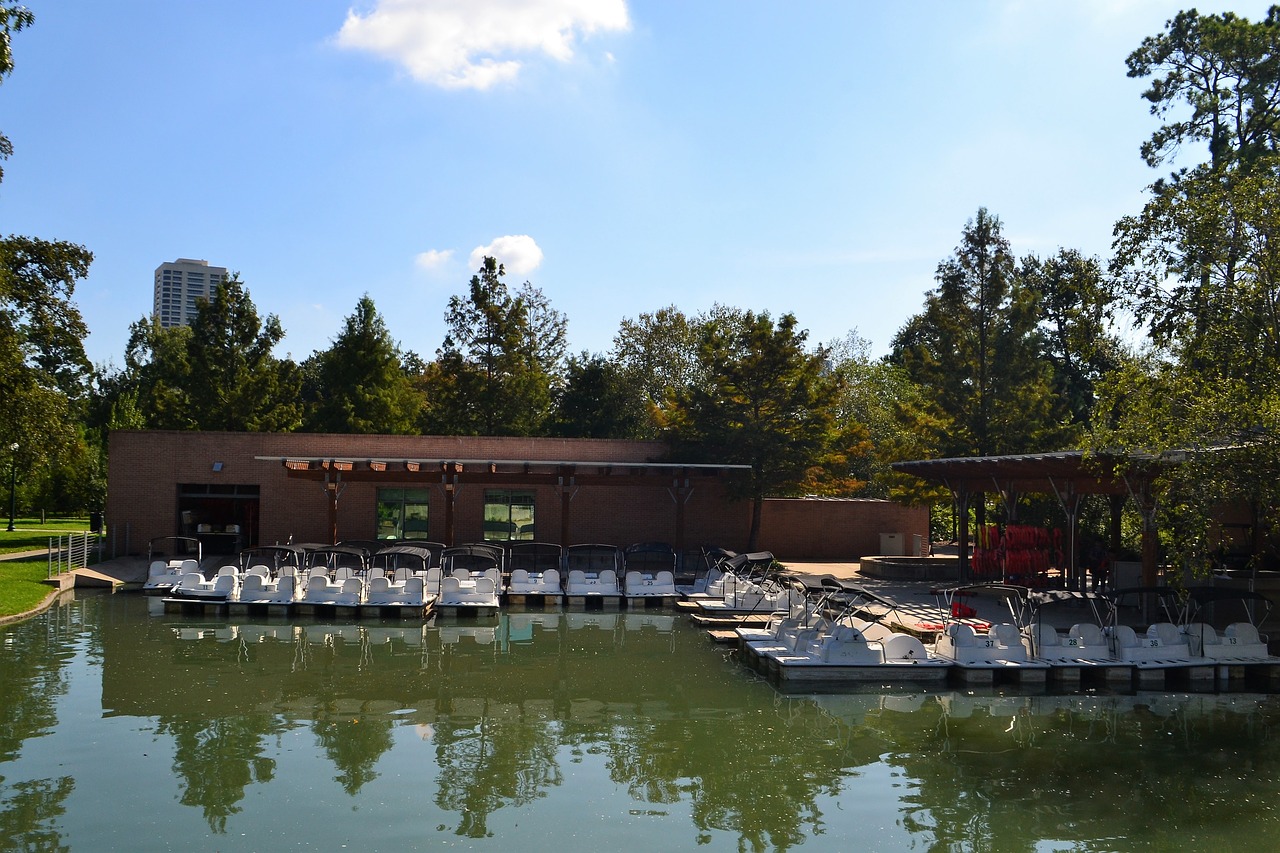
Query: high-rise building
point(179, 284)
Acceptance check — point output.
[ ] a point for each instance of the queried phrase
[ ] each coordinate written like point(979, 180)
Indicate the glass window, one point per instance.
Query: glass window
point(508, 515)
point(403, 513)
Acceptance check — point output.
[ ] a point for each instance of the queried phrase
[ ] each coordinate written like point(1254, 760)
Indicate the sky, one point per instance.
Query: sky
point(818, 158)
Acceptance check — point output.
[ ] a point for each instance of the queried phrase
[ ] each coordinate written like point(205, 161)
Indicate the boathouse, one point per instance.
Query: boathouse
point(235, 489)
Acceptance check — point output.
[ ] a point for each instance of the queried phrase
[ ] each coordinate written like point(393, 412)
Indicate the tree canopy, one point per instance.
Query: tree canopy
point(768, 403)
point(362, 383)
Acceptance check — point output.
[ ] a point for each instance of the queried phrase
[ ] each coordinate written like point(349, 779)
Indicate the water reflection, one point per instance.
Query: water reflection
point(600, 731)
point(33, 672)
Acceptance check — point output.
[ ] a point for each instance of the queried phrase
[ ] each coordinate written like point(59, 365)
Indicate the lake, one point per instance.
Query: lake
point(130, 729)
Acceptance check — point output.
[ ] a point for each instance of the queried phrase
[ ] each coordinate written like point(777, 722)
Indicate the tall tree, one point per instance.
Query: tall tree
point(237, 383)
point(767, 403)
point(1200, 269)
point(1074, 304)
point(1227, 70)
point(496, 370)
point(13, 17)
point(43, 369)
point(363, 386)
point(975, 350)
point(218, 374)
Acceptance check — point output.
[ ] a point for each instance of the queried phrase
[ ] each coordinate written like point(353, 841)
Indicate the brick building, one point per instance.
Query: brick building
point(234, 489)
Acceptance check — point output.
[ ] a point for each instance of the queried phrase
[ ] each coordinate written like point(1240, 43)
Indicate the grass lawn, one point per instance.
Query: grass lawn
point(20, 584)
point(29, 534)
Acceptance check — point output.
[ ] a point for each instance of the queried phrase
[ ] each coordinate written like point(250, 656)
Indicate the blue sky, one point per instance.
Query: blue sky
point(818, 158)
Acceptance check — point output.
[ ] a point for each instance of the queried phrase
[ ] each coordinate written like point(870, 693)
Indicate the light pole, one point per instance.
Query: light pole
point(13, 482)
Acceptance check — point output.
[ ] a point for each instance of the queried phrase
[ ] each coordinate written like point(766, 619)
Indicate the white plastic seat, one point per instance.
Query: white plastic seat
point(158, 567)
point(962, 634)
point(1089, 634)
point(901, 647)
point(1243, 633)
point(1166, 632)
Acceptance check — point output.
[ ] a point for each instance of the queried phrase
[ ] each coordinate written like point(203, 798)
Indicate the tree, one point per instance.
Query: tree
point(1074, 304)
point(598, 401)
point(43, 368)
point(767, 403)
point(975, 351)
point(218, 374)
point(1227, 70)
point(1200, 269)
point(872, 395)
point(496, 370)
point(363, 386)
point(12, 19)
point(236, 382)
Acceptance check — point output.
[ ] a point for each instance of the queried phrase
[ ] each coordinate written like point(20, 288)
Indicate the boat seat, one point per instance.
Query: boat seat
point(1089, 635)
point(379, 585)
point(1006, 635)
point(252, 584)
point(551, 579)
point(1203, 634)
point(403, 574)
point(158, 567)
point(342, 574)
point(904, 647)
point(1243, 633)
point(189, 566)
point(1047, 637)
point(259, 570)
point(225, 583)
point(1166, 632)
point(519, 578)
point(1126, 637)
point(962, 634)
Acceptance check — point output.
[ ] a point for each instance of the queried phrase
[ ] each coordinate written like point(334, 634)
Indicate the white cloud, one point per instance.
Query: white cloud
point(433, 258)
point(518, 253)
point(461, 44)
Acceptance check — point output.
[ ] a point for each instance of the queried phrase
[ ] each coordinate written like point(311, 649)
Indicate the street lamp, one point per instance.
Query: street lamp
point(13, 481)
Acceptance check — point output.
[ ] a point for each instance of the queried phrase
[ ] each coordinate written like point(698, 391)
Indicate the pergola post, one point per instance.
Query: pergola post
point(962, 504)
point(567, 487)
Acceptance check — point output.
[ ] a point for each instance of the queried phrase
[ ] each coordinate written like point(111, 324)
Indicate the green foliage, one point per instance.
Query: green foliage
point(975, 350)
point(496, 372)
point(13, 18)
point(360, 384)
point(598, 401)
point(1200, 269)
point(218, 374)
point(236, 382)
point(1225, 69)
point(767, 403)
point(873, 395)
point(1075, 307)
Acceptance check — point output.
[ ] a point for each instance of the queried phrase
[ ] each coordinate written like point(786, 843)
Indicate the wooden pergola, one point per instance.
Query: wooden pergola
point(450, 475)
point(1067, 475)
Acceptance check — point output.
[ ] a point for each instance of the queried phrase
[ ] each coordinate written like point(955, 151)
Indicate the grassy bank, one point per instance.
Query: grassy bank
point(29, 534)
point(21, 586)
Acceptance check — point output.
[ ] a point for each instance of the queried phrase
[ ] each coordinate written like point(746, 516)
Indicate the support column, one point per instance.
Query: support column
point(567, 487)
point(962, 524)
point(680, 492)
point(1069, 501)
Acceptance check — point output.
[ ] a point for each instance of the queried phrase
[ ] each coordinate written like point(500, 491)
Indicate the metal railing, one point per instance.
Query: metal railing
point(73, 551)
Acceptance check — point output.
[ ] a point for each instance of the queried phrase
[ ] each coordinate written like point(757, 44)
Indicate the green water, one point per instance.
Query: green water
point(122, 729)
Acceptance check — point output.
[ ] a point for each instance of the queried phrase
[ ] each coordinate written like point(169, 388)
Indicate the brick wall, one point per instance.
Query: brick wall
point(146, 468)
